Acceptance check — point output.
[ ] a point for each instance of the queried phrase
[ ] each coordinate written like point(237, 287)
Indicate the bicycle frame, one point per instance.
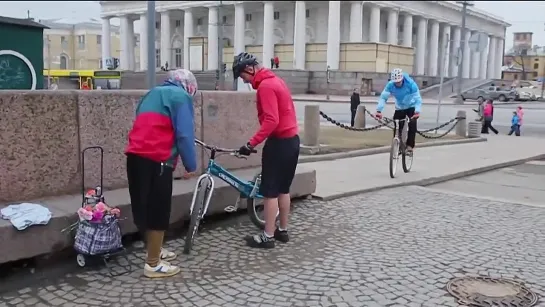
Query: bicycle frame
point(247, 189)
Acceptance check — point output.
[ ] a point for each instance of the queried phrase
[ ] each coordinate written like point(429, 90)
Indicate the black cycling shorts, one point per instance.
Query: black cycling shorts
point(150, 188)
point(278, 164)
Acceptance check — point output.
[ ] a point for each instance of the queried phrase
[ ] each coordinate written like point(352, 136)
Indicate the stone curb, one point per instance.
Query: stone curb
point(379, 150)
point(434, 180)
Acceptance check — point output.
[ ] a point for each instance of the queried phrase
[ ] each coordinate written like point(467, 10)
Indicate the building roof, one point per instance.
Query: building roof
point(21, 22)
point(73, 23)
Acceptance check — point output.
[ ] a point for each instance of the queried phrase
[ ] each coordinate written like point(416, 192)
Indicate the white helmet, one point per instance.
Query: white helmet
point(396, 75)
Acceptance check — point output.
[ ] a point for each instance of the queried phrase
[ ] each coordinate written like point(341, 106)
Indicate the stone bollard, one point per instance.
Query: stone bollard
point(461, 128)
point(474, 129)
point(312, 126)
point(359, 121)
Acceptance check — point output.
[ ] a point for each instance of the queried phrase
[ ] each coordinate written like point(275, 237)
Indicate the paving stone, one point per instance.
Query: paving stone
point(396, 247)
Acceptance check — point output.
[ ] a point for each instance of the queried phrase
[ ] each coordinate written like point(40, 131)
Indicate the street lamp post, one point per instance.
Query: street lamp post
point(221, 76)
point(461, 52)
point(151, 44)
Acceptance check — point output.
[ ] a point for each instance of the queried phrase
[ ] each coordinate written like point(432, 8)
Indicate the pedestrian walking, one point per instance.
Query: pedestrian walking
point(488, 114)
point(354, 103)
point(520, 113)
point(515, 126)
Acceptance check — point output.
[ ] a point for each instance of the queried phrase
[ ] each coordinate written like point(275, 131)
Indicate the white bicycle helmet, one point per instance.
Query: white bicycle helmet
point(396, 75)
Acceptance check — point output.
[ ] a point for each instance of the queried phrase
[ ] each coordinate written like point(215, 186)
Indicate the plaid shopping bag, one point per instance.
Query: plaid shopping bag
point(98, 238)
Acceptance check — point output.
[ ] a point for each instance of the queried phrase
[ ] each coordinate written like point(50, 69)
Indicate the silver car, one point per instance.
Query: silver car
point(475, 94)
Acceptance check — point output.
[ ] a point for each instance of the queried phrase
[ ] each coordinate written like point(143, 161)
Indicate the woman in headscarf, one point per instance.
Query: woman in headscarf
point(162, 130)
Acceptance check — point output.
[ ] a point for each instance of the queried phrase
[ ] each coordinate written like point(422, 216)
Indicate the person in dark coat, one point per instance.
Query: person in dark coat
point(354, 103)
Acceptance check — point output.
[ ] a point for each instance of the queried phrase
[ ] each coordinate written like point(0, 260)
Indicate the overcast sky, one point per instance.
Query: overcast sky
point(525, 16)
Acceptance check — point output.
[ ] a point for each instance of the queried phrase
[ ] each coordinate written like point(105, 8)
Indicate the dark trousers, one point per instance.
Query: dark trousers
point(352, 116)
point(411, 135)
point(515, 129)
point(279, 159)
point(487, 124)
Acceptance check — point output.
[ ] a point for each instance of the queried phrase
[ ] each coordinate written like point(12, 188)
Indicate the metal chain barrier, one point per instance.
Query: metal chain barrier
point(338, 124)
point(386, 122)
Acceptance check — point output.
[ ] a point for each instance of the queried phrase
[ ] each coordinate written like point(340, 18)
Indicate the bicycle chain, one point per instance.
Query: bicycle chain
point(338, 124)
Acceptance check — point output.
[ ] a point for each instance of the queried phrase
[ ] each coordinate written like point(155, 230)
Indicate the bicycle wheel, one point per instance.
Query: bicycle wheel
point(256, 209)
point(196, 214)
point(407, 161)
point(394, 155)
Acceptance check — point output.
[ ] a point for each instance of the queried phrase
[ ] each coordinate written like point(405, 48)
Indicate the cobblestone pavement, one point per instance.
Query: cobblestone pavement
point(391, 248)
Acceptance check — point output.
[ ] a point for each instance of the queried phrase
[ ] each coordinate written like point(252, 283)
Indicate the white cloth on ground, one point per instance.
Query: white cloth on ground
point(26, 214)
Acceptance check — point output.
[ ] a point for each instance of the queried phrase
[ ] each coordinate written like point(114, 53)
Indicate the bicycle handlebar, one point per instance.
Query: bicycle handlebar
point(233, 152)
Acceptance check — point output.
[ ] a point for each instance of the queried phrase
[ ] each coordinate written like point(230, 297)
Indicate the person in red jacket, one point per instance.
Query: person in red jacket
point(279, 130)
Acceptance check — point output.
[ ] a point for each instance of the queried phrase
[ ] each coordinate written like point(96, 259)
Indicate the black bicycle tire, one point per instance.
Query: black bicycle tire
point(404, 162)
point(252, 214)
point(392, 153)
point(196, 216)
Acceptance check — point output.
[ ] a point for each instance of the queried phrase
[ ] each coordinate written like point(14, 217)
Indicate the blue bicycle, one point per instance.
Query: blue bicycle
point(204, 188)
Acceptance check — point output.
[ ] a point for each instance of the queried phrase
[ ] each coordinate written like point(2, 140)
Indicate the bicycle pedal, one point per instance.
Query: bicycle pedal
point(230, 209)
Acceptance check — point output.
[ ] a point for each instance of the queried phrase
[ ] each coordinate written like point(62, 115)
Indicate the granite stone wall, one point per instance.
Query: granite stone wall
point(44, 132)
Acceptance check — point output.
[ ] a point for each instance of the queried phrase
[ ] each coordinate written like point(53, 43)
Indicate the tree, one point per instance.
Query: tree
point(517, 57)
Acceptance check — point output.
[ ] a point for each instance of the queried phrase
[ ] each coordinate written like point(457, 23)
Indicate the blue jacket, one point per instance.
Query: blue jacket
point(515, 120)
point(407, 96)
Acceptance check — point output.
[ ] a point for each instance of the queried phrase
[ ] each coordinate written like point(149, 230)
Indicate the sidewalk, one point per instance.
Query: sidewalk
point(339, 178)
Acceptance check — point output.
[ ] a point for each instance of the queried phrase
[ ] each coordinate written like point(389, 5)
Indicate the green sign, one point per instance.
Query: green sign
point(16, 71)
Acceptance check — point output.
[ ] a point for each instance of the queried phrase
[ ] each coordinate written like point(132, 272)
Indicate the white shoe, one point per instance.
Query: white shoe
point(167, 255)
point(162, 269)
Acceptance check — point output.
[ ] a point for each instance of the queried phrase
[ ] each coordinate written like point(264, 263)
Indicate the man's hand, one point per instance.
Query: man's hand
point(378, 115)
point(246, 150)
point(188, 175)
point(416, 116)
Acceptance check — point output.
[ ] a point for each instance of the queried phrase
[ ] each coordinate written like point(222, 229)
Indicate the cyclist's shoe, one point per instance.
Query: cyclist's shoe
point(167, 255)
point(260, 241)
point(281, 235)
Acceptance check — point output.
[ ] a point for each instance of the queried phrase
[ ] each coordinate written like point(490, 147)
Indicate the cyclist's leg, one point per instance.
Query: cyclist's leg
point(411, 135)
point(400, 115)
point(290, 157)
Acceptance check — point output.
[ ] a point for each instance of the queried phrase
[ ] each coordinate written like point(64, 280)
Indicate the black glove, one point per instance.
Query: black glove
point(246, 150)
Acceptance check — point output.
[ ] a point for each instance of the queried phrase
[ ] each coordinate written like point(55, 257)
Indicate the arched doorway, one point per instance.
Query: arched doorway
point(178, 47)
point(63, 61)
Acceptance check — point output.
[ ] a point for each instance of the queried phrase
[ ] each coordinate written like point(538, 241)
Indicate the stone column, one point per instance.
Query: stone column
point(491, 74)
point(392, 27)
point(188, 32)
point(421, 47)
point(374, 24)
point(166, 47)
point(299, 35)
point(475, 65)
point(125, 56)
point(467, 55)
point(408, 30)
point(456, 37)
point(106, 41)
point(240, 27)
point(499, 57)
point(268, 32)
point(143, 42)
point(213, 38)
point(334, 35)
point(446, 60)
point(132, 45)
point(483, 62)
point(434, 48)
point(356, 19)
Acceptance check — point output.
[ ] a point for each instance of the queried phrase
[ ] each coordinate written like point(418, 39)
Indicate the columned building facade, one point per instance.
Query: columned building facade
point(431, 27)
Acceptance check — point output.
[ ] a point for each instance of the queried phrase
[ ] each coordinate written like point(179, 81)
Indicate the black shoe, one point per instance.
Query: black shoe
point(260, 241)
point(281, 235)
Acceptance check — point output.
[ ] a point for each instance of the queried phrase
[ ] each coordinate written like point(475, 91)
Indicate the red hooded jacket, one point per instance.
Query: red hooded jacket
point(275, 108)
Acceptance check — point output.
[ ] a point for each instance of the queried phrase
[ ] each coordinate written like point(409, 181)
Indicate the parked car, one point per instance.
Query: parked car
point(497, 93)
point(475, 94)
point(524, 96)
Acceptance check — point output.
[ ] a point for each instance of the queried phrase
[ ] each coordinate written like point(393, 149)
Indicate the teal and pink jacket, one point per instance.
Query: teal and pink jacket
point(164, 127)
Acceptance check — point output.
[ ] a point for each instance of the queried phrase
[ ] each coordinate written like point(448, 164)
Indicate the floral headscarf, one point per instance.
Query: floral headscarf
point(183, 78)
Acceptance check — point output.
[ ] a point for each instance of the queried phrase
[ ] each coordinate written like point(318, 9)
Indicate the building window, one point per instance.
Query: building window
point(178, 23)
point(276, 15)
point(516, 76)
point(536, 65)
point(99, 39)
point(64, 42)
point(535, 74)
point(248, 17)
point(64, 61)
point(178, 57)
point(81, 41)
point(100, 63)
point(307, 13)
point(199, 22)
point(224, 19)
point(158, 58)
point(157, 25)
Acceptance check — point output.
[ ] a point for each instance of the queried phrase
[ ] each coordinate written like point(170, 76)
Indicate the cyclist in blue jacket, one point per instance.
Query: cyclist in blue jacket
point(408, 102)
